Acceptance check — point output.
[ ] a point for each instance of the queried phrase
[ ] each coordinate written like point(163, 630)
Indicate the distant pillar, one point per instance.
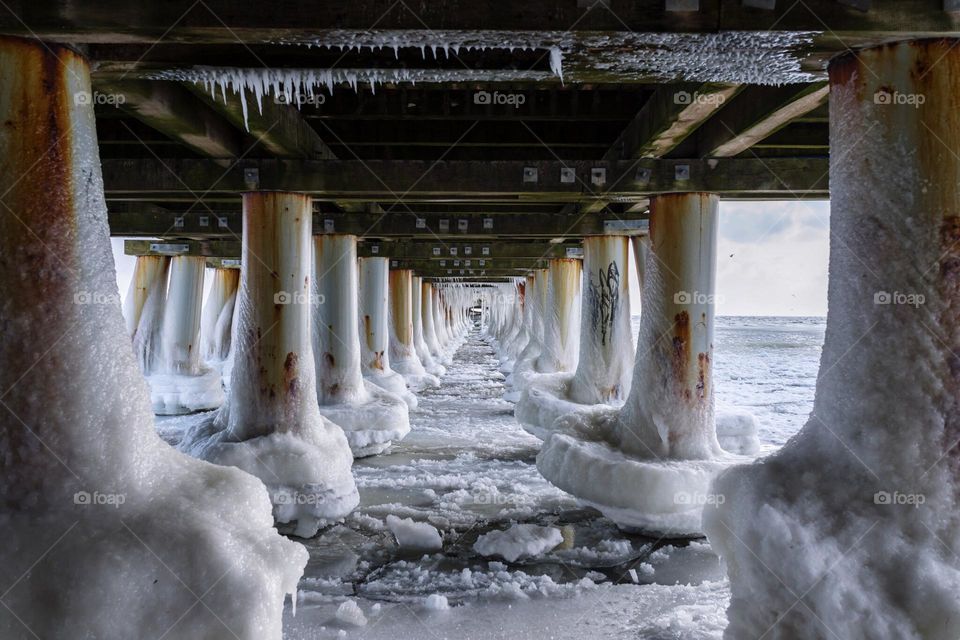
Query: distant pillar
point(337, 344)
point(143, 309)
point(217, 319)
point(403, 352)
point(181, 316)
point(606, 347)
point(670, 407)
point(419, 334)
point(428, 318)
point(561, 317)
point(375, 329)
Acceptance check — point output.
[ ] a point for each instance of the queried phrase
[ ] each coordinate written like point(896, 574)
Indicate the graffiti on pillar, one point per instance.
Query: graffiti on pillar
point(605, 300)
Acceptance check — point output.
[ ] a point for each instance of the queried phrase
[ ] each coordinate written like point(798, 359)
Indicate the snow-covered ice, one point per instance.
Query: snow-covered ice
point(414, 535)
point(520, 541)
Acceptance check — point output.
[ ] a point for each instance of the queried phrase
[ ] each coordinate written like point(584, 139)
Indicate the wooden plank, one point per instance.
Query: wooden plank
point(403, 181)
point(178, 114)
point(281, 128)
point(671, 114)
point(754, 115)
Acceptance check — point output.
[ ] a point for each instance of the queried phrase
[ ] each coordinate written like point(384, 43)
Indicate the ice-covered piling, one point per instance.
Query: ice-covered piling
point(97, 510)
point(271, 424)
point(403, 352)
point(375, 330)
point(605, 364)
point(534, 305)
point(648, 465)
point(429, 322)
point(372, 418)
point(180, 382)
point(143, 308)
point(217, 319)
point(561, 326)
point(869, 487)
point(419, 332)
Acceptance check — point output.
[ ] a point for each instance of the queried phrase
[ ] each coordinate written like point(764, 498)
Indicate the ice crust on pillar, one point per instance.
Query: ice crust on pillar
point(217, 320)
point(111, 532)
point(648, 465)
point(403, 352)
point(535, 302)
point(271, 424)
point(605, 364)
point(419, 340)
point(375, 331)
point(859, 512)
point(180, 382)
point(372, 418)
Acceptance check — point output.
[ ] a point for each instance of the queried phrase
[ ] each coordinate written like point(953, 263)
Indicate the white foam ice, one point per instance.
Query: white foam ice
point(519, 542)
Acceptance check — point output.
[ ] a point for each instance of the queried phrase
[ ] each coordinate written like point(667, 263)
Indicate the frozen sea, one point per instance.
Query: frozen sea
point(467, 469)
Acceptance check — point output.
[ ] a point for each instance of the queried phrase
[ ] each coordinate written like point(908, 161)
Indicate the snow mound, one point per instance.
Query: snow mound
point(662, 497)
point(173, 394)
point(737, 431)
point(519, 542)
point(373, 425)
point(350, 613)
point(436, 602)
point(414, 535)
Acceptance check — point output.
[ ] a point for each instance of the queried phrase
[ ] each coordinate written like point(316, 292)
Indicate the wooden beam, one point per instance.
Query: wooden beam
point(671, 114)
point(153, 224)
point(754, 115)
point(402, 181)
point(178, 114)
point(281, 128)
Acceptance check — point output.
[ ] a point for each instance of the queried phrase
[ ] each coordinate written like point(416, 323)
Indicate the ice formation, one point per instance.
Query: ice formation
point(351, 613)
point(375, 330)
point(519, 542)
point(851, 529)
point(371, 417)
point(414, 535)
point(648, 465)
point(605, 363)
point(180, 382)
point(143, 308)
point(561, 319)
point(420, 293)
point(535, 303)
point(271, 424)
point(403, 352)
point(108, 532)
point(217, 320)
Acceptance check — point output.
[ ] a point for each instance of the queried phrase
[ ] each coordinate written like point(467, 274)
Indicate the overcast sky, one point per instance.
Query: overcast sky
point(771, 259)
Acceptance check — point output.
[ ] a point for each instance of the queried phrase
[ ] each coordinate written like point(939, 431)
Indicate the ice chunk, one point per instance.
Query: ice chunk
point(436, 602)
point(351, 613)
point(519, 542)
point(414, 535)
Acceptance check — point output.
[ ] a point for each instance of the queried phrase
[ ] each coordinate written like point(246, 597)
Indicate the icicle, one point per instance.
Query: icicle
point(556, 62)
point(243, 107)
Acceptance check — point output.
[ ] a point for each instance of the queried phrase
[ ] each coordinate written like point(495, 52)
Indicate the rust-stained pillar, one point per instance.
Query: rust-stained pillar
point(606, 347)
point(375, 329)
point(403, 351)
point(561, 317)
point(217, 320)
point(337, 338)
point(75, 422)
point(872, 480)
point(420, 319)
point(181, 316)
point(670, 408)
point(143, 308)
point(271, 424)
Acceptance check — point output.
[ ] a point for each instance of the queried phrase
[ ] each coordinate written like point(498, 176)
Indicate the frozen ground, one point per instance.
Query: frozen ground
point(467, 468)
